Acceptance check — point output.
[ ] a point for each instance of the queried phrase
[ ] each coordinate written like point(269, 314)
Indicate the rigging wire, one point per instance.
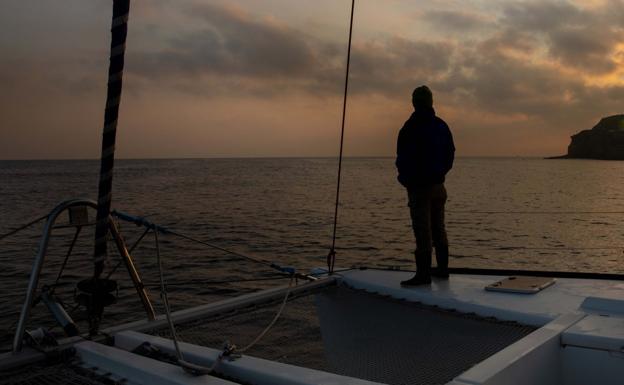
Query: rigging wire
point(554, 248)
point(535, 212)
point(17, 230)
point(234, 281)
point(282, 269)
point(67, 255)
point(187, 366)
point(501, 212)
point(230, 351)
point(136, 243)
point(270, 325)
point(235, 253)
point(230, 281)
point(331, 256)
point(141, 221)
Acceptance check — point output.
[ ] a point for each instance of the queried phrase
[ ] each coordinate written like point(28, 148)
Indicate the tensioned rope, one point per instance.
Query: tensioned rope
point(538, 248)
point(187, 366)
point(26, 225)
point(535, 212)
point(22, 227)
point(148, 225)
point(119, 31)
point(331, 256)
point(141, 221)
point(230, 351)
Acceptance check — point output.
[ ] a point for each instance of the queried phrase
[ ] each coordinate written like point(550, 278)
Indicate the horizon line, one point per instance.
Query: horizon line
point(263, 157)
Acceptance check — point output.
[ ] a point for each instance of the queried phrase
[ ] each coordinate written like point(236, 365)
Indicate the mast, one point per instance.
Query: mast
point(119, 30)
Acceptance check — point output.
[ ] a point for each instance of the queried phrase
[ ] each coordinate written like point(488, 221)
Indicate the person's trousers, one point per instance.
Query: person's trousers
point(426, 205)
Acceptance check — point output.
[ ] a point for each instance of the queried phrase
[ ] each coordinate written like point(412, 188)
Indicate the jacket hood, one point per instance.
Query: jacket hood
point(423, 114)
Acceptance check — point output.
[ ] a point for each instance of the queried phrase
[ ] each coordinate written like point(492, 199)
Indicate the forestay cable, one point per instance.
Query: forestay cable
point(22, 227)
point(331, 256)
point(141, 221)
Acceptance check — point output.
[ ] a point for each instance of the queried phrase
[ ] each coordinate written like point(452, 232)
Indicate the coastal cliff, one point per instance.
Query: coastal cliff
point(604, 141)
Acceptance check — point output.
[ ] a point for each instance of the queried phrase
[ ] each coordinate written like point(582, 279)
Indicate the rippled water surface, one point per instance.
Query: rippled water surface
point(516, 213)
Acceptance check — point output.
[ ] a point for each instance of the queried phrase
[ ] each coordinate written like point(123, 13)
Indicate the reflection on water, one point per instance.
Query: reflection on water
point(281, 210)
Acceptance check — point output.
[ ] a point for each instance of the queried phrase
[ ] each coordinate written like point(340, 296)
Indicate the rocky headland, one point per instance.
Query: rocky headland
point(604, 141)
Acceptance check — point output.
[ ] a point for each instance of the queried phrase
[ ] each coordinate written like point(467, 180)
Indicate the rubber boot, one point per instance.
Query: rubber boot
point(423, 270)
point(442, 257)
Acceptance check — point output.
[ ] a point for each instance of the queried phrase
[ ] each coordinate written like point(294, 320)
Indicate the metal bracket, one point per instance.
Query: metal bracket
point(79, 205)
point(78, 215)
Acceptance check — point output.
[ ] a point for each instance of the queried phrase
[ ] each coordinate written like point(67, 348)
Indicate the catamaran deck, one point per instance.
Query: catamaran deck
point(465, 293)
point(362, 327)
point(352, 333)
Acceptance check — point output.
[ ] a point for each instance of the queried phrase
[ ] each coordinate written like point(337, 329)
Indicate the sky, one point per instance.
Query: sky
point(264, 78)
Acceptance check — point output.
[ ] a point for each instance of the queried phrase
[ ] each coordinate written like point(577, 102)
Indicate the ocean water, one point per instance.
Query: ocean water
point(502, 212)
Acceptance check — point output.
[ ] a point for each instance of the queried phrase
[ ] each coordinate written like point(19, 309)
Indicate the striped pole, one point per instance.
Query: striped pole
point(119, 30)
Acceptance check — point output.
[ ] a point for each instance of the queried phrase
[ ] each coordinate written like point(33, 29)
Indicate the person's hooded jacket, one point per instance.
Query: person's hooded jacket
point(425, 150)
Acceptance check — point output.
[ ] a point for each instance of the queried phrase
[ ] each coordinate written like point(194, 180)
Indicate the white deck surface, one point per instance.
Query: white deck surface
point(466, 293)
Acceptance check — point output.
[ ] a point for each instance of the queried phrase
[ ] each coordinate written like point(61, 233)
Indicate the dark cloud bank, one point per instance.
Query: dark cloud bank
point(239, 54)
point(524, 66)
point(260, 54)
point(234, 53)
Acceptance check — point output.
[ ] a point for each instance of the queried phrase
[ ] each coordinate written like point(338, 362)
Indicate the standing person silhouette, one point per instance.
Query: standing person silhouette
point(425, 153)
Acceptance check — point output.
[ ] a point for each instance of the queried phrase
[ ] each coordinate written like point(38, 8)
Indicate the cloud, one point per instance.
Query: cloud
point(232, 52)
point(542, 16)
point(586, 47)
point(552, 66)
point(579, 38)
point(230, 43)
point(531, 69)
point(458, 21)
point(499, 84)
point(539, 68)
point(229, 50)
point(394, 66)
